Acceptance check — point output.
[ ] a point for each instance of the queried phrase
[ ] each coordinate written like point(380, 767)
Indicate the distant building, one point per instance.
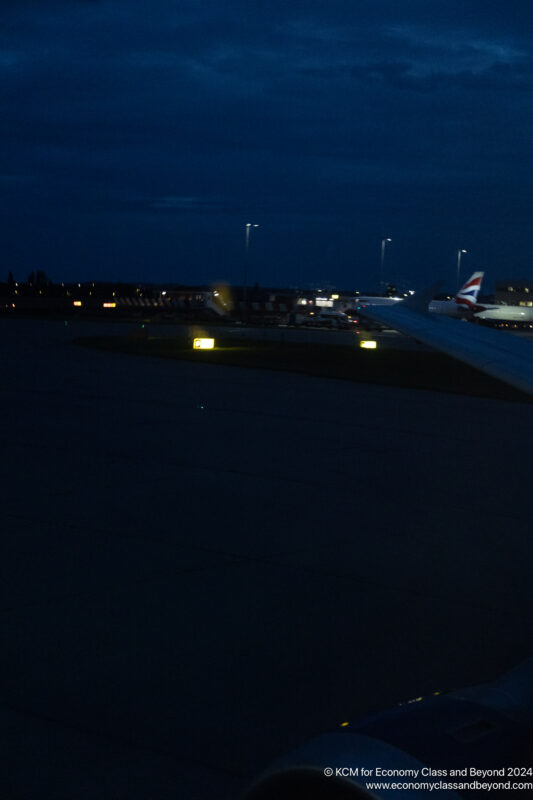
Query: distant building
point(516, 292)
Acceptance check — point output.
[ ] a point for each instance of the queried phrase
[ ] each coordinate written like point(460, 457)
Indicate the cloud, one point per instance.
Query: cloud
point(408, 75)
point(295, 111)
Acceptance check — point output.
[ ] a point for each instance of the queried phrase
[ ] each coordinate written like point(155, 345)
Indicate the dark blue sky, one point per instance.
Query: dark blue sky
point(139, 138)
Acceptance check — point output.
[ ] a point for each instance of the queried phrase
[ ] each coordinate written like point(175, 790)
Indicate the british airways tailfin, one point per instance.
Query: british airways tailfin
point(467, 294)
point(464, 304)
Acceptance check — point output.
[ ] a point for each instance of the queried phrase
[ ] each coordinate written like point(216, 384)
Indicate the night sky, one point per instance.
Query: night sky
point(139, 138)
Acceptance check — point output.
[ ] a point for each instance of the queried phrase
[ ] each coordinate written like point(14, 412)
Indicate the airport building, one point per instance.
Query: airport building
point(516, 292)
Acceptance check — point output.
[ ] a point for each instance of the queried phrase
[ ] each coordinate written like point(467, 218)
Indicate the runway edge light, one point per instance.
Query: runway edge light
point(203, 344)
point(368, 344)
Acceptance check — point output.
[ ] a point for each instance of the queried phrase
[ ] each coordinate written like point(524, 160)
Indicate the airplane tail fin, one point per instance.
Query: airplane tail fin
point(467, 294)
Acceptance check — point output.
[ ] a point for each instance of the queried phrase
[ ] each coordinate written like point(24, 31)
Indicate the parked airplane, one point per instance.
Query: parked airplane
point(503, 356)
point(376, 300)
point(462, 305)
point(464, 302)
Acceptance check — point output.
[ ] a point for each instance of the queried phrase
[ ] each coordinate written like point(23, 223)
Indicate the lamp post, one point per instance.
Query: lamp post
point(248, 227)
point(383, 245)
point(459, 254)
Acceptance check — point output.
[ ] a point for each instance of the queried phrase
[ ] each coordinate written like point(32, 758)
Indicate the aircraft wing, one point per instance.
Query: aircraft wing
point(500, 354)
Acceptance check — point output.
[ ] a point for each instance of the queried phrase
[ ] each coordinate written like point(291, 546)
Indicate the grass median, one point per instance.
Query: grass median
point(411, 369)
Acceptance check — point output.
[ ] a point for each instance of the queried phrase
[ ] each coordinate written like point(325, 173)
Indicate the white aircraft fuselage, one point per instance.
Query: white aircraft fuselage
point(376, 300)
point(504, 313)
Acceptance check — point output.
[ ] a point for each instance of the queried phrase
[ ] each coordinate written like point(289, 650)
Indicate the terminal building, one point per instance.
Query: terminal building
point(516, 292)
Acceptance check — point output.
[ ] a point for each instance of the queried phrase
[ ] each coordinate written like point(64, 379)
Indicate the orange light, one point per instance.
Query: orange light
point(76, 303)
point(109, 305)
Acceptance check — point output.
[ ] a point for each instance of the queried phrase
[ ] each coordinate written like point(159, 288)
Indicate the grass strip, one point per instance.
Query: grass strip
point(411, 369)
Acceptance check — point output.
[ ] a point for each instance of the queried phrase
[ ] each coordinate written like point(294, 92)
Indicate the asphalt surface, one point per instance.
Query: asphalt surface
point(205, 566)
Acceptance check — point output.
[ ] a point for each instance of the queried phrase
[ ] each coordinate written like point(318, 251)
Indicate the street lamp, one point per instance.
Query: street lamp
point(383, 245)
point(459, 254)
point(248, 227)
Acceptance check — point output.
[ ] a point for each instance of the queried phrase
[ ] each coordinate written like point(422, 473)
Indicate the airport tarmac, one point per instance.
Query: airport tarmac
point(205, 566)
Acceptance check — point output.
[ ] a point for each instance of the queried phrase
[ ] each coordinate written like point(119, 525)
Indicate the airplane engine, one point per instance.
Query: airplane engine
point(479, 734)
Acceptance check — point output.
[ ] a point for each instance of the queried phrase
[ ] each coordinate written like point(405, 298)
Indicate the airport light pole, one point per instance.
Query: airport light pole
point(248, 227)
point(383, 246)
point(459, 254)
